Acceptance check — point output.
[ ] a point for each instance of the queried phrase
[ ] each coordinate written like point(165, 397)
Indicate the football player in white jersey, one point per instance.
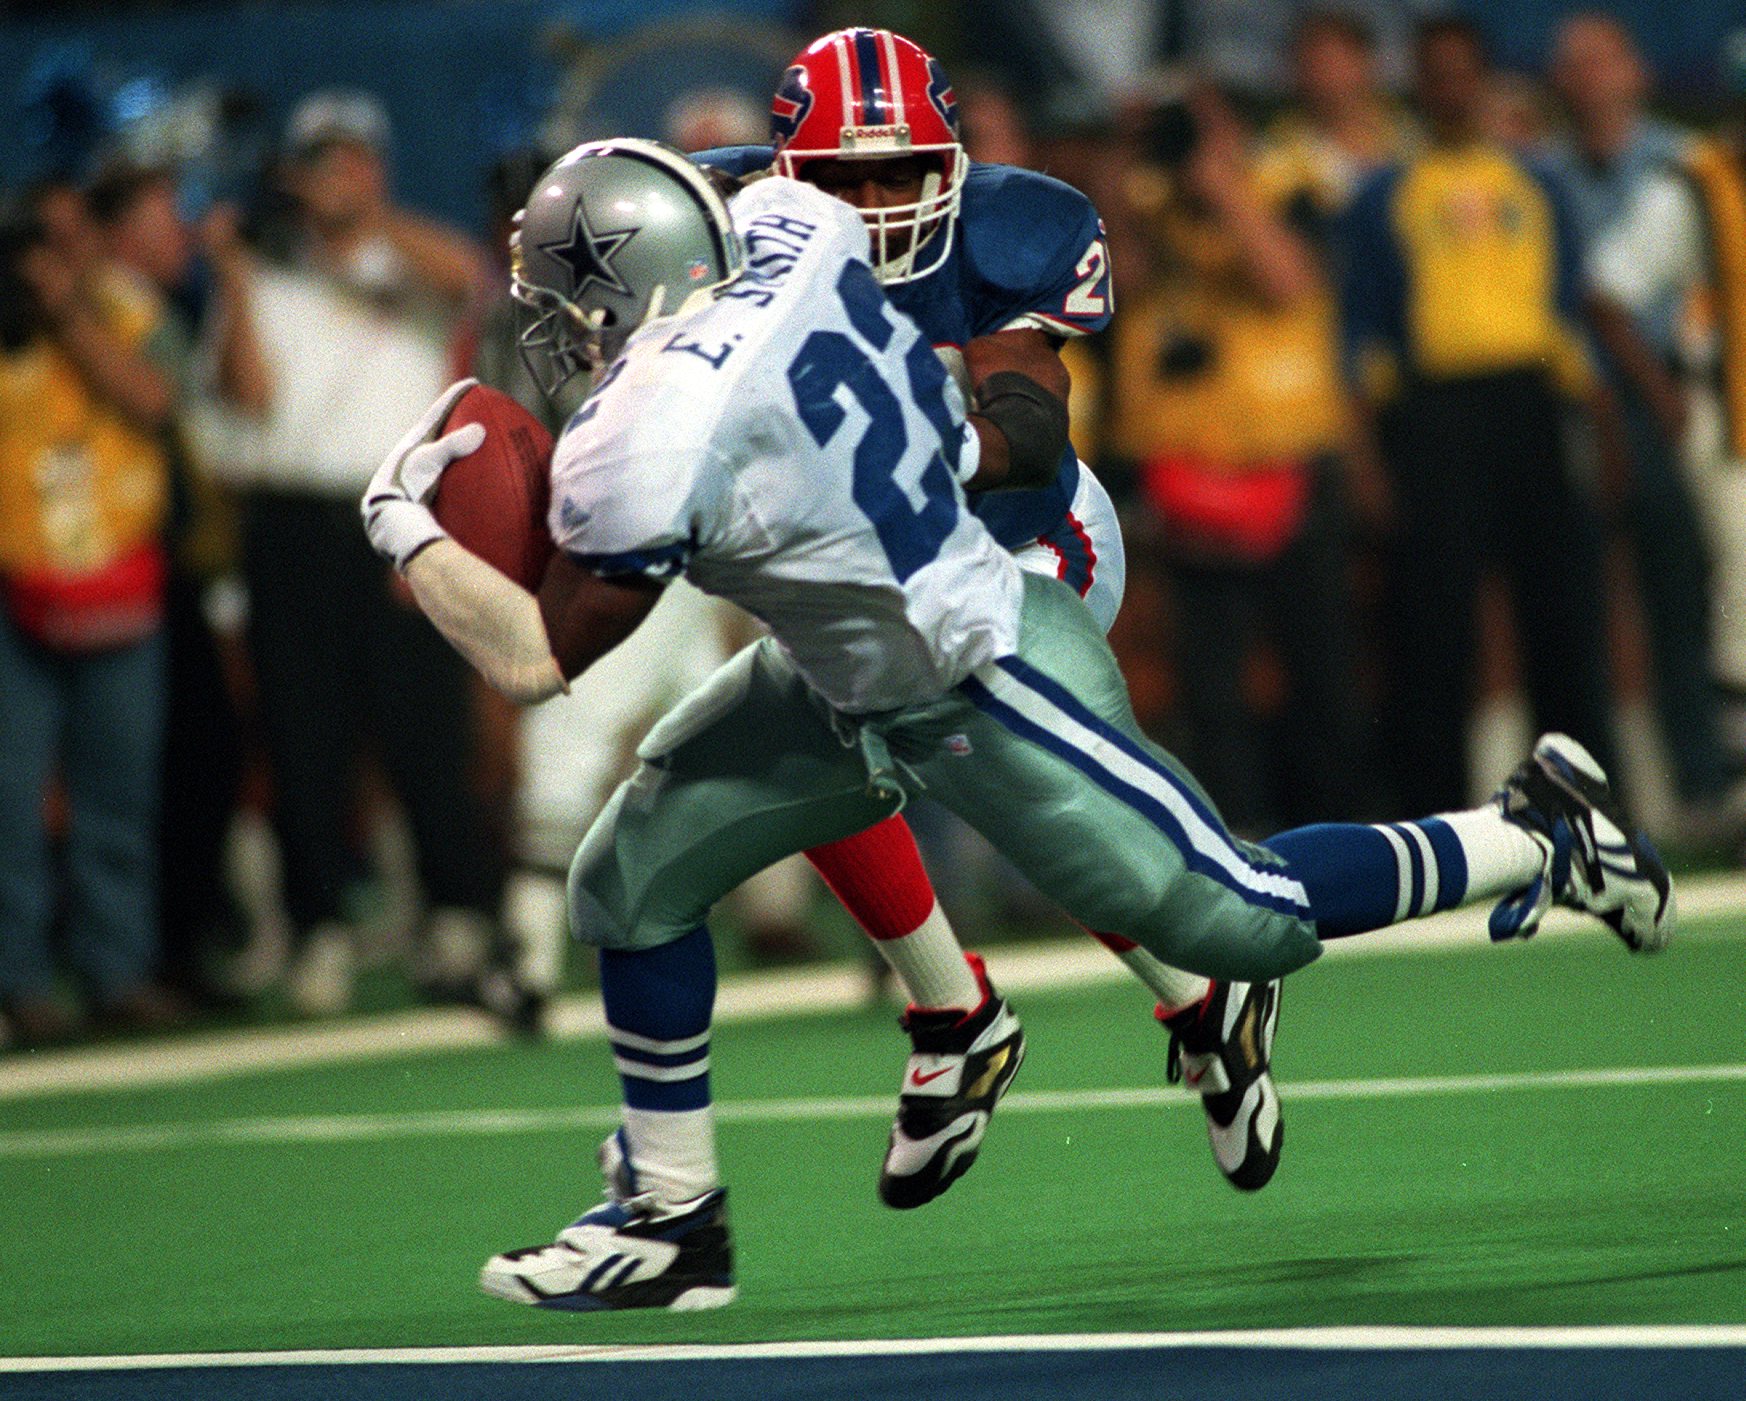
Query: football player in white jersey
point(764, 423)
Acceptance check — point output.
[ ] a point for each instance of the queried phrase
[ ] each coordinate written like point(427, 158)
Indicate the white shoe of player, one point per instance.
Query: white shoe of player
point(633, 1251)
point(962, 1065)
point(1222, 1048)
point(1594, 859)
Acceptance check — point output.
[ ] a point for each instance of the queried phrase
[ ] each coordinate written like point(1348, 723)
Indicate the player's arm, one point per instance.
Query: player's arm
point(507, 633)
point(497, 625)
point(1020, 387)
point(585, 616)
point(527, 646)
point(488, 618)
point(1039, 291)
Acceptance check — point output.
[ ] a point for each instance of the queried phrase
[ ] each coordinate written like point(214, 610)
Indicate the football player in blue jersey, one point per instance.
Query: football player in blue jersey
point(998, 266)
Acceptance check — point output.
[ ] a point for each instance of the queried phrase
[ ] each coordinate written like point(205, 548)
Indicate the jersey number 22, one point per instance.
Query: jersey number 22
point(829, 361)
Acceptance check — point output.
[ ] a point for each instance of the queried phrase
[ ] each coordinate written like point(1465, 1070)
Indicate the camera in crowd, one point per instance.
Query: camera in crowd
point(1171, 132)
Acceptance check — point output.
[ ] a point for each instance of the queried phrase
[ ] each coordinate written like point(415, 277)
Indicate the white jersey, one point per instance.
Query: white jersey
point(792, 447)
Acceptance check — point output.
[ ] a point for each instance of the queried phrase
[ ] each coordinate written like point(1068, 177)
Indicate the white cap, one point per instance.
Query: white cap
point(336, 114)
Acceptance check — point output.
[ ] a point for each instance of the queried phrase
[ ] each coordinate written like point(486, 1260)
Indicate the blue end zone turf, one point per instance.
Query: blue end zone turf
point(1195, 1374)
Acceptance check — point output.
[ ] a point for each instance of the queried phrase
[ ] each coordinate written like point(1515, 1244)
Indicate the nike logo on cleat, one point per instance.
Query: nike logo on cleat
point(917, 1078)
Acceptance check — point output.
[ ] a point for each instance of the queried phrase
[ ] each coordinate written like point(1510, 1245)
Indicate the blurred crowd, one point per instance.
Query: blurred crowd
point(1426, 410)
point(1414, 427)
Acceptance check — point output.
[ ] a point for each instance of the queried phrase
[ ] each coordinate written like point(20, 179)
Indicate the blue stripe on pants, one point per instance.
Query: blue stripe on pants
point(1145, 804)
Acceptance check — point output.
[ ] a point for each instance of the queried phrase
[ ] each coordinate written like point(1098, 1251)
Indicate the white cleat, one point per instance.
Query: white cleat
point(633, 1251)
point(1222, 1047)
point(1595, 860)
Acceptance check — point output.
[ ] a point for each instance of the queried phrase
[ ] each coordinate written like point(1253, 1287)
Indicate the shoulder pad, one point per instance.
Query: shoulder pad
point(735, 160)
point(1023, 229)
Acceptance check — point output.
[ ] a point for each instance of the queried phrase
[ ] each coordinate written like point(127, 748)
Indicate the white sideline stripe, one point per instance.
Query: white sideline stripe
point(1315, 1339)
point(333, 1128)
point(1064, 963)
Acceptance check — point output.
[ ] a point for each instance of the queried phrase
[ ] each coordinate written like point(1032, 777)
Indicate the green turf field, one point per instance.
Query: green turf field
point(351, 1206)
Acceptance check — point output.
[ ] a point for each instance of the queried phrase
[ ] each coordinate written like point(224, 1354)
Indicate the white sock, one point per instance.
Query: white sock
point(536, 913)
point(929, 962)
point(672, 1153)
point(1175, 988)
point(1501, 857)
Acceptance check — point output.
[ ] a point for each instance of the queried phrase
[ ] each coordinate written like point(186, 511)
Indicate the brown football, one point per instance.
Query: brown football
point(494, 501)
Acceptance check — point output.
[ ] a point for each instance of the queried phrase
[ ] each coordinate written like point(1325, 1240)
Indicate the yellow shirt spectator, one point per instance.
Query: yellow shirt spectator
point(1206, 365)
point(1462, 262)
point(80, 485)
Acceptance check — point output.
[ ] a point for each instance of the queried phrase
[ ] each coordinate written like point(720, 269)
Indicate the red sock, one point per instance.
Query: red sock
point(878, 876)
point(1115, 943)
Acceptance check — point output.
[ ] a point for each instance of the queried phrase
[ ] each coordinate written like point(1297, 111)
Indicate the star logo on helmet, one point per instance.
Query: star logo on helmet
point(589, 255)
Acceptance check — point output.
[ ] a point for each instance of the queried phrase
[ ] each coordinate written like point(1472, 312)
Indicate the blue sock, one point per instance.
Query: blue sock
point(1362, 877)
point(658, 1005)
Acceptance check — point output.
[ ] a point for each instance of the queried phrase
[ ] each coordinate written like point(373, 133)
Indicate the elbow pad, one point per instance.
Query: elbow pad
point(1033, 421)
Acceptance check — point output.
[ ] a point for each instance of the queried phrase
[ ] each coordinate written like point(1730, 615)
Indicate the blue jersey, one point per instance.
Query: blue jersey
point(1027, 252)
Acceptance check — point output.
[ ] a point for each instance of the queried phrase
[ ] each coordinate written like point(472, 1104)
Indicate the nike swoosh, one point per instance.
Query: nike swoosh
point(917, 1078)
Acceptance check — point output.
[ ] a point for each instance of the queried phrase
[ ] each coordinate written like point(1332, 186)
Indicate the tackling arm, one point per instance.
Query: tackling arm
point(1021, 388)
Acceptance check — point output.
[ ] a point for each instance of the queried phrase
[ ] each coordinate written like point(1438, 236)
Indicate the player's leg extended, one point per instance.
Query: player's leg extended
point(745, 771)
point(1554, 833)
point(1042, 754)
point(1073, 792)
point(1206, 1020)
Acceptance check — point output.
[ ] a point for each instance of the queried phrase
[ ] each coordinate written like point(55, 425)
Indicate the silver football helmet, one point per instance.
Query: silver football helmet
point(615, 234)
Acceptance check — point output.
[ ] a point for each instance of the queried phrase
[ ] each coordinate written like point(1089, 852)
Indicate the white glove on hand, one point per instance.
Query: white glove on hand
point(396, 518)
